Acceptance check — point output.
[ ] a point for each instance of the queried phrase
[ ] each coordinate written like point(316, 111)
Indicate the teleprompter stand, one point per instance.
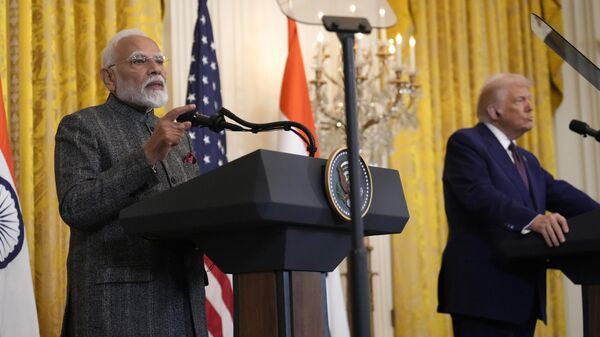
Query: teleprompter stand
point(346, 27)
point(265, 218)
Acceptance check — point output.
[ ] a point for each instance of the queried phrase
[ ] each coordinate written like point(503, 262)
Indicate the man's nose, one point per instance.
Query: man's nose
point(528, 105)
point(155, 67)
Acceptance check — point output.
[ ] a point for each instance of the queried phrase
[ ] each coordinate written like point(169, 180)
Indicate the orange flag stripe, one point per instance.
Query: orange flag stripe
point(4, 139)
point(294, 101)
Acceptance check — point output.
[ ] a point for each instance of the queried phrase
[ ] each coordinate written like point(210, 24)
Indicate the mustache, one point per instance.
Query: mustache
point(155, 79)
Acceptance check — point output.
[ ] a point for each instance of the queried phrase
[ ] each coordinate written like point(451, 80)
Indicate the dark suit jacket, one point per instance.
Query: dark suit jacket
point(486, 203)
point(119, 284)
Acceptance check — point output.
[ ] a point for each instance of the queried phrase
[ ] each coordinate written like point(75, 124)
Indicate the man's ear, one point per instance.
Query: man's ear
point(108, 77)
point(493, 112)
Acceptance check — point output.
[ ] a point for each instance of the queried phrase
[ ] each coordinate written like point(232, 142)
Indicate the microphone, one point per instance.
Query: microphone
point(215, 123)
point(583, 129)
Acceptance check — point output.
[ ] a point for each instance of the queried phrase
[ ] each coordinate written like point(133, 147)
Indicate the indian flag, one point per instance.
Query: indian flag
point(18, 315)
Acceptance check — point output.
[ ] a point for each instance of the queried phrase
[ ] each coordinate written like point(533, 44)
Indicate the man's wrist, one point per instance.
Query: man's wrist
point(153, 163)
point(149, 158)
point(526, 229)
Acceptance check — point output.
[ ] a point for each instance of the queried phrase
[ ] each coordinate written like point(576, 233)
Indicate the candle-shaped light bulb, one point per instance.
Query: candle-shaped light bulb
point(320, 37)
point(398, 50)
point(391, 49)
point(413, 63)
point(399, 39)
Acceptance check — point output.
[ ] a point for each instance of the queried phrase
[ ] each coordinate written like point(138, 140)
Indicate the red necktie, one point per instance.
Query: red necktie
point(519, 164)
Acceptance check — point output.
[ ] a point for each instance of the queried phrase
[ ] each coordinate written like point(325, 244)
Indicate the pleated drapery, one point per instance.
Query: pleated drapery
point(460, 43)
point(49, 65)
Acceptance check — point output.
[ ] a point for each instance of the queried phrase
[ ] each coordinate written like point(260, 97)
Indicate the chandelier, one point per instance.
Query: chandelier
point(386, 95)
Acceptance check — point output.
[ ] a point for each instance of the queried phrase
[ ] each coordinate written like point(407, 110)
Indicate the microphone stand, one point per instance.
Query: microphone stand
point(346, 27)
point(217, 123)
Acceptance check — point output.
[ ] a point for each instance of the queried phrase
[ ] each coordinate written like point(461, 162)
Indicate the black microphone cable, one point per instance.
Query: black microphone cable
point(217, 123)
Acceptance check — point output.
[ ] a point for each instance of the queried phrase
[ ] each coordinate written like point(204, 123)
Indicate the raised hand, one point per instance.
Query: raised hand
point(167, 134)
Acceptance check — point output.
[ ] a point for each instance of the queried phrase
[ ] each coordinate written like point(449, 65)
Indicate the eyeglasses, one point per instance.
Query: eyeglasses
point(141, 60)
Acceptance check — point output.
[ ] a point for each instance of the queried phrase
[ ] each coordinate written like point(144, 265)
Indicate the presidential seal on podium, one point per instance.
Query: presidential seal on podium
point(337, 184)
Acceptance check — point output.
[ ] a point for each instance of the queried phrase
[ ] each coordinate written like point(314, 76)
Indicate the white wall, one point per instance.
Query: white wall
point(578, 159)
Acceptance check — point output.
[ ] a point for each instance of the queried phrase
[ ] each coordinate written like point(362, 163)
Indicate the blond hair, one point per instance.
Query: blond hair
point(495, 90)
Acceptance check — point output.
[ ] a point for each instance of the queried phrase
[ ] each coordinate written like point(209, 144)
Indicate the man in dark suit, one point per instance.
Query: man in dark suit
point(495, 191)
point(108, 157)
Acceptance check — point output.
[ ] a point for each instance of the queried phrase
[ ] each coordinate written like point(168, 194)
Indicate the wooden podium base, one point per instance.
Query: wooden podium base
point(280, 304)
point(591, 310)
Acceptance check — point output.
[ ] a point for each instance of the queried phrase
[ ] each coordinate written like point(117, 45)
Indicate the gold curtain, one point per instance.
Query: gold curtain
point(459, 44)
point(49, 65)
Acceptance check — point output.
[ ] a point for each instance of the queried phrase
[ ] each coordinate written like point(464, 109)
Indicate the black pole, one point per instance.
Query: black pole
point(358, 270)
point(361, 320)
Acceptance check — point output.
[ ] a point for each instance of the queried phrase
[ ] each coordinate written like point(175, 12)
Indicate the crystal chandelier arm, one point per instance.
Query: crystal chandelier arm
point(330, 78)
point(370, 122)
point(334, 118)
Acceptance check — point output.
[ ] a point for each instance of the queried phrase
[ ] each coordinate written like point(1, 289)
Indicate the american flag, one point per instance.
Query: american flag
point(204, 90)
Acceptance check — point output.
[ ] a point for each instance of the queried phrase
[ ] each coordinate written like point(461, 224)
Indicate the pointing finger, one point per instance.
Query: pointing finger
point(173, 114)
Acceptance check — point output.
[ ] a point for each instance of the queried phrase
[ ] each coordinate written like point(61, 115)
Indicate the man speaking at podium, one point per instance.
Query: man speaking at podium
point(108, 157)
point(495, 191)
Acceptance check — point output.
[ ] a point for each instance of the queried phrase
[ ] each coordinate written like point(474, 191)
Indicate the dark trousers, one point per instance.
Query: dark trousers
point(468, 326)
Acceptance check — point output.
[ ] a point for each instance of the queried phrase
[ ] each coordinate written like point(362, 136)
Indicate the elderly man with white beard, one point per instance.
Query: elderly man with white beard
point(108, 157)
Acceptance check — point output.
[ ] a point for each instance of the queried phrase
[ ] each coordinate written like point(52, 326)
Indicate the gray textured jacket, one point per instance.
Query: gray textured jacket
point(118, 284)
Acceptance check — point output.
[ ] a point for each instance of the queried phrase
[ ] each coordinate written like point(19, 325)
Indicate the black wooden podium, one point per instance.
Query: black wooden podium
point(578, 258)
point(265, 218)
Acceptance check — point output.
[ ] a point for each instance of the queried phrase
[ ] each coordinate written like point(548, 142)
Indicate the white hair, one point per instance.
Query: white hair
point(109, 50)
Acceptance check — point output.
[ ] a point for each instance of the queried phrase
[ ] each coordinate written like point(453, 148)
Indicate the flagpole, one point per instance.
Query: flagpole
point(346, 27)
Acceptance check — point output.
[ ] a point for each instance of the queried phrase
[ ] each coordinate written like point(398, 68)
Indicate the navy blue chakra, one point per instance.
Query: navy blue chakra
point(11, 224)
